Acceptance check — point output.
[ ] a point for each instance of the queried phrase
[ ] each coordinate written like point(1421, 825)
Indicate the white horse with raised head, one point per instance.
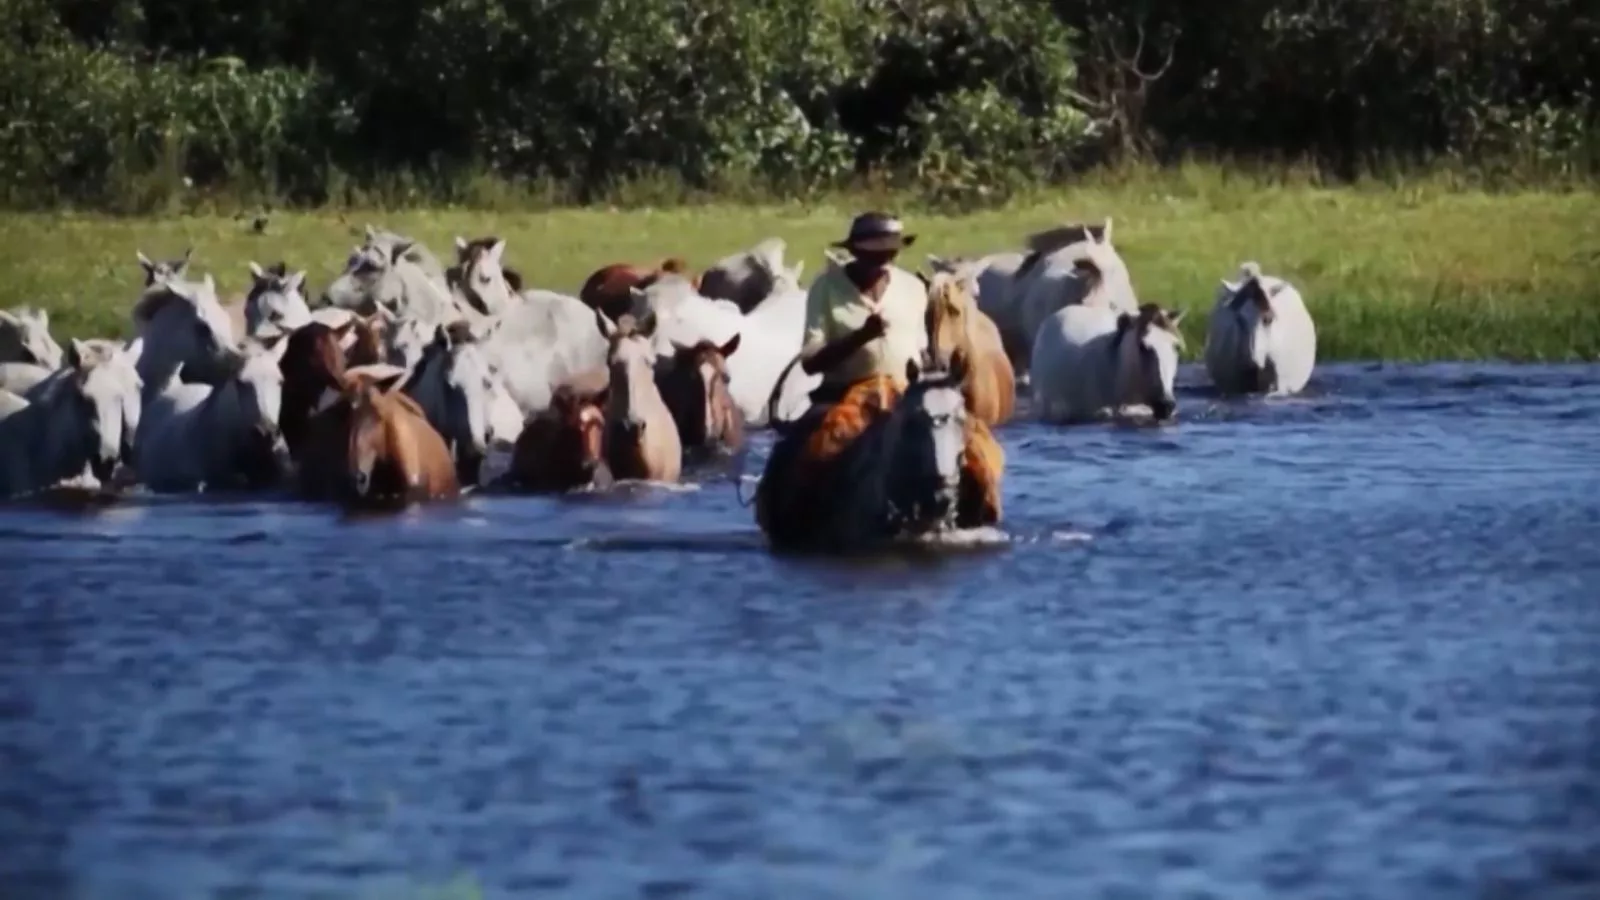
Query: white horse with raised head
point(378, 276)
point(1261, 338)
point(276, 302)
point(1091, 362)
point(196, 436)
point(747, 277)
point(183, 325)
point(73, 427)
point(25, 338)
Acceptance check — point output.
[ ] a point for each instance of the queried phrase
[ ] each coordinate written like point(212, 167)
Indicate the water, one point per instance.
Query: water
point(1338, 646)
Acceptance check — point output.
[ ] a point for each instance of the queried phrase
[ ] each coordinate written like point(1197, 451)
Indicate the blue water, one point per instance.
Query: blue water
point(1344, 645)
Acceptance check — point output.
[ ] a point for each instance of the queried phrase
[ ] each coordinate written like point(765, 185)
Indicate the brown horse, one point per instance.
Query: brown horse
point(563, 447)
point(642, 441)
point(815, 497)
point(695, 387)
point(367, 349)
point(956, 324)
point(393, 457)
point(610, 289)
point(312, 364)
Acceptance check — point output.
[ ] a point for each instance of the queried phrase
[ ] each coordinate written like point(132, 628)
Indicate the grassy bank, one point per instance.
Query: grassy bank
point(1409, 272)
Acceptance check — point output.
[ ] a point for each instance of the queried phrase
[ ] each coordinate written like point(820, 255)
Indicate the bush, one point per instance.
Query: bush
point(132, 103)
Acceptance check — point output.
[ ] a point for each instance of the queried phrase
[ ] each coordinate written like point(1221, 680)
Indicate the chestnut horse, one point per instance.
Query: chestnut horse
point(563, 447)
point(694, 385)
point(956, 324)
point(610, 289)
point(393, 457)
point(642, 441)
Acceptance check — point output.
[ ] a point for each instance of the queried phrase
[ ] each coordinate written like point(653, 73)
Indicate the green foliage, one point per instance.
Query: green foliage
point(146, 104)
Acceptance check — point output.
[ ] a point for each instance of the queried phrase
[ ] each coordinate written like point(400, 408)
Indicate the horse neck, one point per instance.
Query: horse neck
point(426, 383)
point(53, 434)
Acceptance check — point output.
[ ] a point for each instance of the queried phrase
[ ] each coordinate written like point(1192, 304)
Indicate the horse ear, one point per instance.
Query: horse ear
point(794, 273)
point(145, 263)
point(603, 323)
point(730, 347)
point(927, 282)
point(371, 233)
point(957, 370)
point(497, 249)
point(77, 352)
point(134, 350)
point(400, 249)
point(256, 273)
point(1105, 232)
point(461, 244)
point(297, 282)
point(187, 253)
point(912, 371)
point(1230, 286)
point(1174, 317)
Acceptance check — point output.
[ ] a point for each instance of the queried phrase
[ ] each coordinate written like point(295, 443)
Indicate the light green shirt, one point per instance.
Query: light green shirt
point(835, 308)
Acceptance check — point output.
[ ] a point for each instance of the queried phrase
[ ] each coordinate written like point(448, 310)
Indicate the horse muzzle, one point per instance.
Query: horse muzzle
point(1163, 409)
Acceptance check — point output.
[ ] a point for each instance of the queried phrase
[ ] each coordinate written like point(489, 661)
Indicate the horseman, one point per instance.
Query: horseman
point(865, 321)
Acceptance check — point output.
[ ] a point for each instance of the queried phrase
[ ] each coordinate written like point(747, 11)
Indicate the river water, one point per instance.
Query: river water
point(1343, 645)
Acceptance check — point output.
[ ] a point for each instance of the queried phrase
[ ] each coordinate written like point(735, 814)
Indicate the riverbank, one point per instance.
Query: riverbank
point(1397, 273)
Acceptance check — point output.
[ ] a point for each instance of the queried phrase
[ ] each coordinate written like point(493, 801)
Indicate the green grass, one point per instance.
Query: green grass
point(1408, 270)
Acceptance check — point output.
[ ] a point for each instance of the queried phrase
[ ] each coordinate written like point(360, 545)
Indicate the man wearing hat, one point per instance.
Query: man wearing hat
point(863, 318)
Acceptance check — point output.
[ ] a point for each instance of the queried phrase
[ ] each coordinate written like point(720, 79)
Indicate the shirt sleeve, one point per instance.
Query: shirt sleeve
point(817, 308)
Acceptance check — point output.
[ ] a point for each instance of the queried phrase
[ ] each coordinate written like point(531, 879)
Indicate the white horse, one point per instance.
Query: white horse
point(377, 277)
point(123, 359)
point(25, 338)
point(414, 251)
point(541, 342)
point(276, 302)
point(462, 395)
point(196, 436)
point(478, 279)
point(770, 334)
point(1086, 271)
point(167, 268)
point(182, 324)
point(745, 278)
point(1091, 362)
point(1261, 338)
point(73, 428)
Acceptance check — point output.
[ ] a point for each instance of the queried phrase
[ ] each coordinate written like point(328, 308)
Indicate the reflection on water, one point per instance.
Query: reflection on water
point(1341, 645)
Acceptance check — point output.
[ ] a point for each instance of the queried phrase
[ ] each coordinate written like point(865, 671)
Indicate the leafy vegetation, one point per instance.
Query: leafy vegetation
point(168, 105)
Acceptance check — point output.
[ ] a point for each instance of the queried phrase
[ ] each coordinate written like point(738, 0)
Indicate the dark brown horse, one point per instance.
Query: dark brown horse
point(563, 447)
point(610, 289)
point(694, 385)
point(312, 365)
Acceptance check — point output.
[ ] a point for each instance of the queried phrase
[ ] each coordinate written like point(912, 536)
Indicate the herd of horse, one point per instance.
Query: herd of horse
point(395, 385)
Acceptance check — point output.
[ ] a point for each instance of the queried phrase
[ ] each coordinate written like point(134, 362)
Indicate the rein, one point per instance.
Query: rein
point(772, 420)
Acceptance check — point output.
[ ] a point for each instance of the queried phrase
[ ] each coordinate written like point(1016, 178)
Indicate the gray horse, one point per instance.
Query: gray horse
point(198, 436)
point(25, 337)
point(183, 324)
point(73, 428)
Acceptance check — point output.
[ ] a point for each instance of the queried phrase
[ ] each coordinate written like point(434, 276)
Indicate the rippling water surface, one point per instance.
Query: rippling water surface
point(1344, 645)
